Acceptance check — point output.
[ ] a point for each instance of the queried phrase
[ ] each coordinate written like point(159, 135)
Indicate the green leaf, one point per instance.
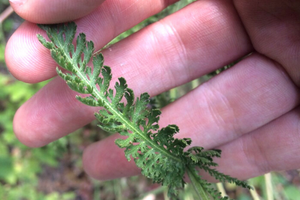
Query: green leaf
point(160, 156)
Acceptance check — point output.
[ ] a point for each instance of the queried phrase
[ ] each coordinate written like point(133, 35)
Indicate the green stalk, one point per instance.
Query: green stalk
point(116, 112)
point(201, 193)
point(143, 145)
point(269, 187)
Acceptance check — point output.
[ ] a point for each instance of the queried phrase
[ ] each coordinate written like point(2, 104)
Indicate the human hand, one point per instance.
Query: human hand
point(249, 111)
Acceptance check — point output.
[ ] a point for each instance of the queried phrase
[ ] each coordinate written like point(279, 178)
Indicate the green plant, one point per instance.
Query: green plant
point(20, 165)
point(160, 156)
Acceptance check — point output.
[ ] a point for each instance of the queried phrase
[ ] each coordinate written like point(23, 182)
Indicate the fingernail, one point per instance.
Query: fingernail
point(18, 2)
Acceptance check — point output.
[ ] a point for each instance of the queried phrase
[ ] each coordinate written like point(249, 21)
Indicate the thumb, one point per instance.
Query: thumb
point(54, 11)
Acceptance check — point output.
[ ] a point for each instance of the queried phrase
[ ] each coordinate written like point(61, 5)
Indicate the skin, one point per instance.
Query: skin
point(250, 111)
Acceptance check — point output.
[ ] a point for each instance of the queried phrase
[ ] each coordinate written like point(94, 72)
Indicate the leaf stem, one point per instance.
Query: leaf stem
point(202, 194)
point(115, 112)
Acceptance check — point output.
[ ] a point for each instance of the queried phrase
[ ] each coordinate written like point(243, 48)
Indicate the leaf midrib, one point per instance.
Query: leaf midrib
point(114, 111)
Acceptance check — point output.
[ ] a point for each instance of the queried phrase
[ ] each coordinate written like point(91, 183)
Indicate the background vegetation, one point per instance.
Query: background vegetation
point(54, 172)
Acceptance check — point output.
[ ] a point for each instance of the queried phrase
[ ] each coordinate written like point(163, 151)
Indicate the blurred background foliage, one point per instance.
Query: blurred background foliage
point(55, 172)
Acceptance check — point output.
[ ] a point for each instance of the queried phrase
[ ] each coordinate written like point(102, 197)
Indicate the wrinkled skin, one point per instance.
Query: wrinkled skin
point(250, 111)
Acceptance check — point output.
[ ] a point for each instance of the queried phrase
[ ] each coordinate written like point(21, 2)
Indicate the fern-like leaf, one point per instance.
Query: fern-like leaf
point(160, 156)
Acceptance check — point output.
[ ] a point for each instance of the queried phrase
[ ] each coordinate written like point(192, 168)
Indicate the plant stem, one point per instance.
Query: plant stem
point(254, 194)
point(106, 104)
point(269, 187)
point(5, 14)
point(221, 189)
point(155, 192)
point(197, 185)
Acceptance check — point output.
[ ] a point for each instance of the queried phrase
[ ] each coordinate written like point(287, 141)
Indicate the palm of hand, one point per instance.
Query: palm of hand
point(249, 111)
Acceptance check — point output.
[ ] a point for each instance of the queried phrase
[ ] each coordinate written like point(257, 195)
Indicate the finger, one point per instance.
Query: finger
point(55, 11)
point(30, 62)
point(164, 62)
point(103, 160)
point(274, 29)
point(230, 105)
point(35, 122)
point(254, 92)
point(273, 147)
